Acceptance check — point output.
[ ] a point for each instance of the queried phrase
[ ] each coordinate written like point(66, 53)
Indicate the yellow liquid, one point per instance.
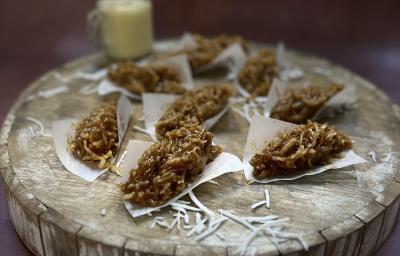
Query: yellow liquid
point(126, 28)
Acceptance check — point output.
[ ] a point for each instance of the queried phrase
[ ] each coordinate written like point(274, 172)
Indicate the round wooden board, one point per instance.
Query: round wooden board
point(339, 212)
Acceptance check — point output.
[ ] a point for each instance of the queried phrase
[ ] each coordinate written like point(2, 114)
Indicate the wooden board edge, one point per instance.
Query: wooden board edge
point(199, 250)
point(316, 246)
point(24, 211)
point(4, 157)
point(92, 241)
point(265, 250)
point(58, 234)
point(372, 217)
point(396, 110)
point(24, 208)
point(6, 128)
point(134, 247)
point(390, 199)
point(390, 220)
point(344, 238)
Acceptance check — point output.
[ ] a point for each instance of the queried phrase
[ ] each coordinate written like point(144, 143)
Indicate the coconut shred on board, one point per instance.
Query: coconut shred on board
point(207, 223)
point(39, 125)
point(48, 93)
point(379, 174)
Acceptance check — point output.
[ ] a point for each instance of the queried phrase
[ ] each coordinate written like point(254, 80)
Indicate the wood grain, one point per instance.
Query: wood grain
point(58, 233)
point(348, 211)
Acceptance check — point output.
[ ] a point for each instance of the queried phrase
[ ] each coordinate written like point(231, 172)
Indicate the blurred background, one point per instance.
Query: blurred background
point(363, 36)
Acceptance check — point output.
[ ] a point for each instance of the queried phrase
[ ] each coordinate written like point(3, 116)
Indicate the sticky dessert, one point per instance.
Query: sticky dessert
point(206, 49)
point(297, 105)
point(303, 147)
point(154, 78)
point(194, 107)
point(259, 71)
point(167, 167)
point(96, 136)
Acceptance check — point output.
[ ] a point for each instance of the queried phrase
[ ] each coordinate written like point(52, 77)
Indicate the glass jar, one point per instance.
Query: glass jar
point(124, 28)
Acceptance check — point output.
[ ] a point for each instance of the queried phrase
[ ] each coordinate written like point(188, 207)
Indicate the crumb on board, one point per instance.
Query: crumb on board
point(214, 182)
point(372, 154)
point(204, 225)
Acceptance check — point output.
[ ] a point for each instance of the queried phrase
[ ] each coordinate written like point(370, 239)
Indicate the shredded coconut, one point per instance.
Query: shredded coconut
point(387, 157)
point(214, 182)
point(178, 216)
point(47, 135)
point(291, 74)
point(58, 76)
point(30, 97)
point(372, 155)
point(277, 221)
point(267, 200)
point(37, 122)
point(95, 76)
point(220, 236)
point(322, 71)
point(214, 225)
point(160, 221)
point(183, 202)
point(199, 227)
point(174, 222)
point(251, 237)
point(88, 89)
point(186, 218)
point(274, 239)
point(200, 205)
point(32, 132)
point(237, 219)
point(184, 206)
point(258, 204)
point(270, 226)
point(52, 92)
point(260, 219)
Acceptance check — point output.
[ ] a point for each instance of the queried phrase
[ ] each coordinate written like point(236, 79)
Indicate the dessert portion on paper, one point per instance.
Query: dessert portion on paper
point(264, 130)
point(255, 74)
point(206, 54)
point(169, 75)
point(164, 112)
point(222, 164)
point(299, 104)
point(62, 130)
